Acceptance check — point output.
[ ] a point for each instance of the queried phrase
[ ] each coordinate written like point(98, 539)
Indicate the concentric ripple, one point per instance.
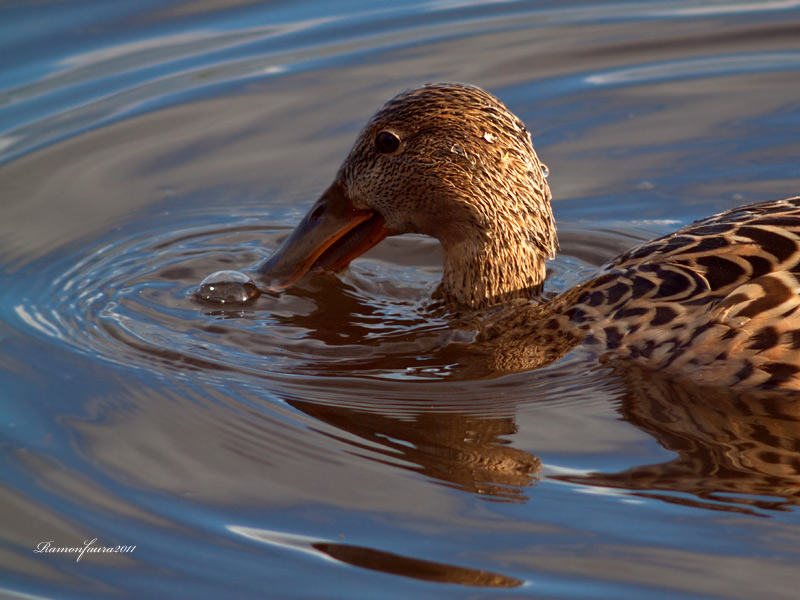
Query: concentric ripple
point(130, 299)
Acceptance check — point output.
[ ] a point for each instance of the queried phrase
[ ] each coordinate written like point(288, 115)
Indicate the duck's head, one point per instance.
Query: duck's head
point(445, 160)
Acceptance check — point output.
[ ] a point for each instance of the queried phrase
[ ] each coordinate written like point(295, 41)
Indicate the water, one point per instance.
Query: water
point(333, 441)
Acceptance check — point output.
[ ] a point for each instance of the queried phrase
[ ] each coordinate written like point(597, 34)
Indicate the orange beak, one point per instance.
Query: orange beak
point(331, 235)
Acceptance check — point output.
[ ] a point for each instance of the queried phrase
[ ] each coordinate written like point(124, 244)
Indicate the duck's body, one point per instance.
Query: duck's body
point(716, 302)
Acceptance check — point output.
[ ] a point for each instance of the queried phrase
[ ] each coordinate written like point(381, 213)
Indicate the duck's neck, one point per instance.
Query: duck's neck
point(496, 266)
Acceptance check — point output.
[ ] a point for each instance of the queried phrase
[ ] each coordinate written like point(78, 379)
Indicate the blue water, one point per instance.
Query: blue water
point(332, 441)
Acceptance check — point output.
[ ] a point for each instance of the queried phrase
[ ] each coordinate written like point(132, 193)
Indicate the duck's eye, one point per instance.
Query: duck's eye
point(387, 142)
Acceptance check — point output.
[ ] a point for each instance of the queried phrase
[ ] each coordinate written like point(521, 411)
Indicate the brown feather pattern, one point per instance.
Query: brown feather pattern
point(716, 303)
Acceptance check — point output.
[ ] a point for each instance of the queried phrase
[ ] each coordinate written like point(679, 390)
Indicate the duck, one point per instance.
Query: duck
point(716, 302)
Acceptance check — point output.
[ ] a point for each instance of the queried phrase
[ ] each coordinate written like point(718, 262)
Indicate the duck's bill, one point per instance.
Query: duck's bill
point(331, 235)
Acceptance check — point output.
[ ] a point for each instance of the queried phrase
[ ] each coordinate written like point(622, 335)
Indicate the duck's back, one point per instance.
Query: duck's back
point(716, 302)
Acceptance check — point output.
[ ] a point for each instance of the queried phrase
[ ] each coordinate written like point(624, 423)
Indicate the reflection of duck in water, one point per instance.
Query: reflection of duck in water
point(717, 302)
point(466, 451)
point(736, 451)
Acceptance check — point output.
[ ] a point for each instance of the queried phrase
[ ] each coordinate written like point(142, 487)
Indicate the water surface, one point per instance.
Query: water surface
point(333, 441)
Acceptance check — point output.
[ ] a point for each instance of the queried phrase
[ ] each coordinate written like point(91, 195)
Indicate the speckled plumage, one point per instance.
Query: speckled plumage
point(716, 302)
point(465, 173)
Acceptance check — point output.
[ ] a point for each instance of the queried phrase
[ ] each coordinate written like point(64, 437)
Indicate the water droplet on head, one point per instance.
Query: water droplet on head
point(227, 287)
point(490, 137)
point(456, 149)
point(545, 170)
